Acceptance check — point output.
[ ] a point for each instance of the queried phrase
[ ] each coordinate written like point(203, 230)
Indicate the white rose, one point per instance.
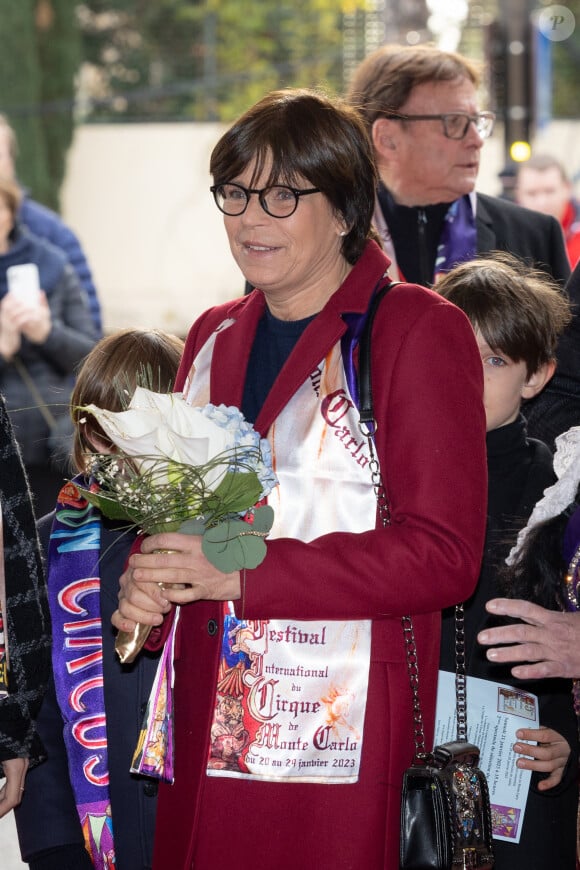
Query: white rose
point(163, 425)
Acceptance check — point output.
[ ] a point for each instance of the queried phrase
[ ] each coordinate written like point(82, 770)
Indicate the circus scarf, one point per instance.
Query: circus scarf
point(74, 597)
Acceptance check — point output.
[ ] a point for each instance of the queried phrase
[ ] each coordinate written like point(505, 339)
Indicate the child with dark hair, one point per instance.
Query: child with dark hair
point(82, 808)
point(518, 315)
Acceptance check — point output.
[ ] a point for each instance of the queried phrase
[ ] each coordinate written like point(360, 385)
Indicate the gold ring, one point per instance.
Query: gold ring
point(161, 585)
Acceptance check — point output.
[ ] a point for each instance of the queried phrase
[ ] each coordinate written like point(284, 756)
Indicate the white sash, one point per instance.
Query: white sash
point(291, 694)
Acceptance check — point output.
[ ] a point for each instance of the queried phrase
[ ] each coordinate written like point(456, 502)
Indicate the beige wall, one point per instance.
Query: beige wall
point(137, 195)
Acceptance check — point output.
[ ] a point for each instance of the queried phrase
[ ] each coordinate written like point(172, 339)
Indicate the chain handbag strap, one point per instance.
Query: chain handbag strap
point(460, 678)
point(368, 426)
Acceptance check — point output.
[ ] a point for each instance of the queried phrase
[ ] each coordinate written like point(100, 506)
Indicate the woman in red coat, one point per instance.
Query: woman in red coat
point(293, 711)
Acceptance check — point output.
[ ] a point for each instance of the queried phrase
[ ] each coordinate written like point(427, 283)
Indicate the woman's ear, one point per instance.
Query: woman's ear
point(536, 382)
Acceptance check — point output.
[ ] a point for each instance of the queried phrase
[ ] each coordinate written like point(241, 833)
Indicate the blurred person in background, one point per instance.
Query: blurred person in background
point(542, 184)
point(42, 341)
point(421, 108)
point(68, 817)
point(24, 625)
point(44, 222)
point(507, 179)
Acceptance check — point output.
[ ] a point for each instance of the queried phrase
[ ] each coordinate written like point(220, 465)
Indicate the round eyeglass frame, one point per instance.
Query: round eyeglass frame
point(262, 194)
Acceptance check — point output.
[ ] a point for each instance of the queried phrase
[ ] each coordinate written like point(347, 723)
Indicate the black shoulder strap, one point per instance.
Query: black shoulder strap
point(366, 411)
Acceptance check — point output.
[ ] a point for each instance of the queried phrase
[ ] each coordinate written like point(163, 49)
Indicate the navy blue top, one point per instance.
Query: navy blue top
point(273, 344)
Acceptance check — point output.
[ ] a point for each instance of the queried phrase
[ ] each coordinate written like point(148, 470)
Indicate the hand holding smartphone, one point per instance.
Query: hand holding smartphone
point(24, 282)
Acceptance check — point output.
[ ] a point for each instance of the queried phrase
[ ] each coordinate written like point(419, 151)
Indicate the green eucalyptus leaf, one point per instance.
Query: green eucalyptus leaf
point(157, 527)
point(238, 491)
point(193, 526)
point(233, 545)
point(107, 506)
point(263, 518)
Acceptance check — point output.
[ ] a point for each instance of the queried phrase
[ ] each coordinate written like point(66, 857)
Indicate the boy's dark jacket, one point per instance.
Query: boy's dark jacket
point(519, 469)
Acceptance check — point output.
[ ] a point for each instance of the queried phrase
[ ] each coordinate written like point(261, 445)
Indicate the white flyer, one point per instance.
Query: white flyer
point(494, 713)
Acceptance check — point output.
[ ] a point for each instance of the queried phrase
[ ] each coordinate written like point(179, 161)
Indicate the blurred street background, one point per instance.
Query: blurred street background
point(117, 106)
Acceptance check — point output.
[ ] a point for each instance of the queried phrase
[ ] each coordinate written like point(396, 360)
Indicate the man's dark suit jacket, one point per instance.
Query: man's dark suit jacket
point(534, 237)
point(537, 239)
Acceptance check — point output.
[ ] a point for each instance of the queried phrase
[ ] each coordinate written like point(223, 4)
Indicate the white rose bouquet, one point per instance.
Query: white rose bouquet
point(182, 468)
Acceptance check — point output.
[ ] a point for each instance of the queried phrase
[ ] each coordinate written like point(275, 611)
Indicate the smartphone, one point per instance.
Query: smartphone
point(24, 281)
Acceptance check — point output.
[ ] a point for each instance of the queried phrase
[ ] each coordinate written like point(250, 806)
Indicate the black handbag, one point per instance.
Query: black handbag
point(445, 807)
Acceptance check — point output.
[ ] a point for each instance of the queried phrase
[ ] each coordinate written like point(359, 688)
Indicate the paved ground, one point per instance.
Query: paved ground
point(9, 845)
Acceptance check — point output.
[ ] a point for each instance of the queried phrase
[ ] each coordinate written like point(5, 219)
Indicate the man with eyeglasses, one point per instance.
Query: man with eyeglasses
point(420, 106)
point(421, 109)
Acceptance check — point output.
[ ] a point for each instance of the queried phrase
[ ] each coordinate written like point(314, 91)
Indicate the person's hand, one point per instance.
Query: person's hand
point(155, 580)
point(13, 788)
point(33, 321)
point(549, 751)
point(549, 638)
point(21, 318)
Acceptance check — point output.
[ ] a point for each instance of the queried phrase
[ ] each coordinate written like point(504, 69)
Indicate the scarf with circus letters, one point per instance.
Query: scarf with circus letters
point(77, 653)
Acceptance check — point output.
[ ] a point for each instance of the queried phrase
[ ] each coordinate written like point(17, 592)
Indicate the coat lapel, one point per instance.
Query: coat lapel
point(233, 345)
point(232, 352)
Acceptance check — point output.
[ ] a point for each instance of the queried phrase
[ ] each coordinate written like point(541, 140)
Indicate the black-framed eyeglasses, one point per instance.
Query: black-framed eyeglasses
point(278, 200)
point(455, 124)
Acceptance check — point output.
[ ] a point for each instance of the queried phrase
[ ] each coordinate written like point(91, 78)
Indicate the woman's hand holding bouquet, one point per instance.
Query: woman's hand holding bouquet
point(180, 471)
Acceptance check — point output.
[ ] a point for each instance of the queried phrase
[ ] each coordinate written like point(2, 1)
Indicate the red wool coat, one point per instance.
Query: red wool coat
point(427, 380)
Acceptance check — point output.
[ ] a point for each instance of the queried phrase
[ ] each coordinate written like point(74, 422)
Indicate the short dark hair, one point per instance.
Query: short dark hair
point(109, 374)
point(383, 82)
point(307, 135)
point(519, 310)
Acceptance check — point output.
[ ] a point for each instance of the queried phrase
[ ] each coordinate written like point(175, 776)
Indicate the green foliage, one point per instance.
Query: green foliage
point(234, 544)
point(276, 45)
point(235, 490)
point(565, 65)
point(166, 59)
point(228, 542)
point(59, 53)
point(146, 53)
point(20, 74)
point(154, 60)
point(40, 54)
